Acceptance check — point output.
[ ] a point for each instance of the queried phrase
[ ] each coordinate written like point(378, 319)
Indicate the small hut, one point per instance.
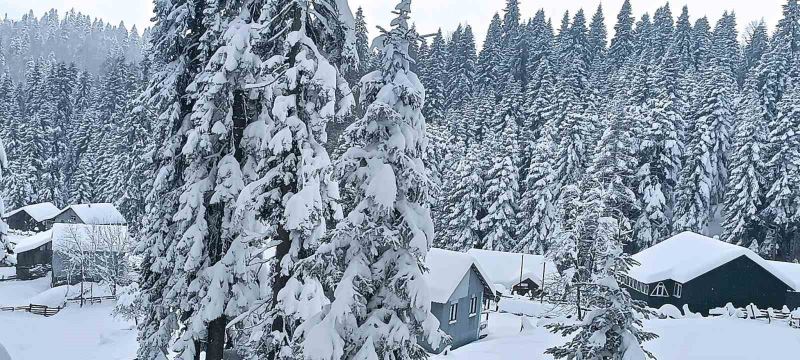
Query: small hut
point(34, 255)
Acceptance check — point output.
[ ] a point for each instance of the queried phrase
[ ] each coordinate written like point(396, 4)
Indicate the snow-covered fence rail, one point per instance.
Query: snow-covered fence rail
point(43, 310)
point(92, 300)
point(8, 278)
point(753, 312)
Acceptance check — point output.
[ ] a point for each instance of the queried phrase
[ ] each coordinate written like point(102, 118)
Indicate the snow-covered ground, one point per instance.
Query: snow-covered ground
point(680, 339)
point(75, 333)
point(92, 333)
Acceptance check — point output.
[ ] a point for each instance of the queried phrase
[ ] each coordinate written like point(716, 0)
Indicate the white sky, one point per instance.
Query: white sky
point(429, 15)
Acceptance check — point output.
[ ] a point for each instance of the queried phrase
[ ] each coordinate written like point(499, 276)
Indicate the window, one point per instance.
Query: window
point(473, 306)
point(678, 290)
point(453, 312)
point(660, 291)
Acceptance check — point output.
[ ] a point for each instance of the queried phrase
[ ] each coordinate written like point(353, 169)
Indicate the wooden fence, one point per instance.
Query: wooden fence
point(34, 309)
point(753, 312)
point(8, 278)
point(92, 300)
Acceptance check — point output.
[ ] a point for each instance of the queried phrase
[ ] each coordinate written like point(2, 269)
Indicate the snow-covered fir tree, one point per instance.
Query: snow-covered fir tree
point(380, 307)
point(501, 197)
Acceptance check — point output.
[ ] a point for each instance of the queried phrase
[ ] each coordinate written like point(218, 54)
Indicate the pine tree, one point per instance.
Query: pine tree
point(536, 215)
point(175, 39)
point(784, 171)
point(437, 75)
point(744, 198)
point(663, 28)
point(293, 190)
point(622, 45)
point(756, 45)
point(502, 192)
point(380, 307)
point(464, 218)
point(461, 69)
point(488, 69)
point(214, 158)
point(701, 34)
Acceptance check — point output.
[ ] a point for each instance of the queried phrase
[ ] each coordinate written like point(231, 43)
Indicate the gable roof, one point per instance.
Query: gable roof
point(790, 270)
point(33, 241)
point(447, 269)
point(39, 212)
point(97, 214)
point(504, 267)
point(688, 255)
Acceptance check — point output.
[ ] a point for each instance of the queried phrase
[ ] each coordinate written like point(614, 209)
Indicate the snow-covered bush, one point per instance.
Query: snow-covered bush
point(670, 311)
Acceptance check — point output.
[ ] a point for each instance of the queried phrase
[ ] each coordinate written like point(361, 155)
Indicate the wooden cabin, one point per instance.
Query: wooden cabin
point(34, 256)
point(31, 218)
point(513, 273)
point(458, 286)
point(704, 273)
point(90, 214)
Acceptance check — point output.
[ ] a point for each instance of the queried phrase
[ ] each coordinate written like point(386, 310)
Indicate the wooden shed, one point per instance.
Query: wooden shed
point(704, 273)
point(31, 218)
point(34, 256)
point(521, 274)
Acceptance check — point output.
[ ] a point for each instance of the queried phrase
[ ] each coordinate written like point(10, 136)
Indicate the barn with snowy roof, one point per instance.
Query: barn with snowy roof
point(705, 273)
point(457, 286)
point(90, 214)
point(31, 217)
point(522, 274)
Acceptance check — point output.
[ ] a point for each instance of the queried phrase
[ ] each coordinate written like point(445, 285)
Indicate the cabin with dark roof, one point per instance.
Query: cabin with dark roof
point(705, 273)
point(31, 218)
point(458, 287)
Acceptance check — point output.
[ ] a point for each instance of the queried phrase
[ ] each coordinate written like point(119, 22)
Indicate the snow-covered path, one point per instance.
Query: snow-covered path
point(680, 339)
point(88, 333)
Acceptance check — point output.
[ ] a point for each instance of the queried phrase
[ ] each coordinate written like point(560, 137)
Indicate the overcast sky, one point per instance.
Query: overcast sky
point(430, 15)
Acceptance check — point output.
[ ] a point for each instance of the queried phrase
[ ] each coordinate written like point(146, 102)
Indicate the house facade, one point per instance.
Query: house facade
point(72, 253)
point(458, 287)
point(704, 273)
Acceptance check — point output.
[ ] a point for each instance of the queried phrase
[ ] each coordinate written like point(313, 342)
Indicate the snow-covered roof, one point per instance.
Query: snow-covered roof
point(790, 270)
point(98, 214)
point(447, 269)
point(39, 212)
point(504, 267)
point(33, 241)
point(89, 237)
point(688, 255)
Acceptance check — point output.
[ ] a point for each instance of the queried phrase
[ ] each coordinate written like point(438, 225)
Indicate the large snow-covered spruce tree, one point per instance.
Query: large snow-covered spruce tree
point(293, 192)
point(176, 38)
point(212, 251)
point(374, 261)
